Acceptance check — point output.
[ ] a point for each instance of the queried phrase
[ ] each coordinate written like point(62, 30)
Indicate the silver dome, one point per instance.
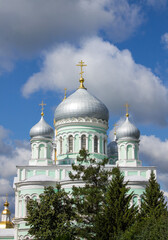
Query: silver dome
point(127, 130)
point(81, 104)
point(112, 149)
point(42, 129)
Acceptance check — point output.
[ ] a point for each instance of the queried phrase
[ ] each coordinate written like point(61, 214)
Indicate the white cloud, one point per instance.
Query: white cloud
point(20, 156)
point(5, 187)
point(112, 75)
point(155, 152)
point(12, 153)
point(28, 27)
point(164, 40)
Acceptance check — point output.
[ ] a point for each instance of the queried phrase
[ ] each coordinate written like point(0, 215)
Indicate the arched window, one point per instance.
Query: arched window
point(83, 142)
point(129, 152)
point(95, 144)
point(104, 146)
point(41, 151)
point(70, 141)
point(60, 145)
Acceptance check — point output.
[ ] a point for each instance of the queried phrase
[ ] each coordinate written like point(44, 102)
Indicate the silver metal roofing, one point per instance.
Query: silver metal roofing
point(81, 104)
point(112, 149)
point(127, 129)
point(42, 129)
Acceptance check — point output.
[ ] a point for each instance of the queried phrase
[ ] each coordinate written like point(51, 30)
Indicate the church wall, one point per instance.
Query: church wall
point(77, 131)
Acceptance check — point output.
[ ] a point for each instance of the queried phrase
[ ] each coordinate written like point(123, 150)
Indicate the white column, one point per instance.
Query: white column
point(119, 153)
point(16, 232)
point(16, 204)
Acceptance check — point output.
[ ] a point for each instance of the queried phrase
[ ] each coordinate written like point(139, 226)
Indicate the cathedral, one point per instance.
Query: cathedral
point(80, 122)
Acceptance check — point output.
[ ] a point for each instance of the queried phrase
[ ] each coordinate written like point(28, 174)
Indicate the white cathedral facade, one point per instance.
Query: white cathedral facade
point(80, 121)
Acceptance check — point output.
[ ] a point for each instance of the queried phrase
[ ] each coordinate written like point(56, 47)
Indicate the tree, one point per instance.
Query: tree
point(89, 198)
point(51, 217)
point(153, 201)
point(148, 229)
point(117, 214)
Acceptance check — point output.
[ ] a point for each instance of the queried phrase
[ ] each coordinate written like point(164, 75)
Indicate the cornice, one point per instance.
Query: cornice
point(83, 121)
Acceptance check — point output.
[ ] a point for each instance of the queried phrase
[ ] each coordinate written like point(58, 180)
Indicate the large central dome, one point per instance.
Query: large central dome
point(81, 104)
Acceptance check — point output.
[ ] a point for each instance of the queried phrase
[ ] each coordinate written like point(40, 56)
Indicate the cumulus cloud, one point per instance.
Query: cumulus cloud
point(24, 24)
point(164, 40)
point(5, 187)
point(12, 153)
point(112, 75)
point(155, 152)
point(27, 27)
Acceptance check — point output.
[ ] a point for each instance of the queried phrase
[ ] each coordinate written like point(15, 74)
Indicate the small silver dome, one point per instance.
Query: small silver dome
point(127, 130)
point(81, 104)
point(112, 149)
point(42, 129)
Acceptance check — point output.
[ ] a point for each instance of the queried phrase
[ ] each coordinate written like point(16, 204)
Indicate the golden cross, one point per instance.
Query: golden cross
point(81, 64)
point(6, 197)
point(115, 125)
point(127, 106)
point(42, 108)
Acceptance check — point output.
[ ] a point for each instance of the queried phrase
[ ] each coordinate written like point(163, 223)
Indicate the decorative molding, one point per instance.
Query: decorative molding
point(86, 120)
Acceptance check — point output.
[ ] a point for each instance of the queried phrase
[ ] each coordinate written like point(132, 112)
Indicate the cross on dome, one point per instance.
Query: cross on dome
point(115, 125)
point(42, 108)
point(81, 80)
point(127, 106)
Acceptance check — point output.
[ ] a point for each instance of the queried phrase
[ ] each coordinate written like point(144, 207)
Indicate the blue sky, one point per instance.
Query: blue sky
point(123, 42)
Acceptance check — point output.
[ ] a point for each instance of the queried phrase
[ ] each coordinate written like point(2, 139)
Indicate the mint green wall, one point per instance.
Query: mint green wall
point(6, 238)
point(51, 173)
point(31, 191)
point(132, 173)
point(143, 173)
point(29, 173)
point(40, 172)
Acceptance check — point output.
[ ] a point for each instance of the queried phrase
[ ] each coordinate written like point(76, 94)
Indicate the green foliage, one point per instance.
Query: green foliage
point(148, 229)
point(90, 197)
point(153, 201)
point(51, 218)
point(117, 214)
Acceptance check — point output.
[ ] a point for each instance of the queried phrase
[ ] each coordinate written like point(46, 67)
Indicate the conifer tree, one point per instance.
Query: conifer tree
point(90, 197)
point(51, 217)
point(153, 201)
point(117, 213)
